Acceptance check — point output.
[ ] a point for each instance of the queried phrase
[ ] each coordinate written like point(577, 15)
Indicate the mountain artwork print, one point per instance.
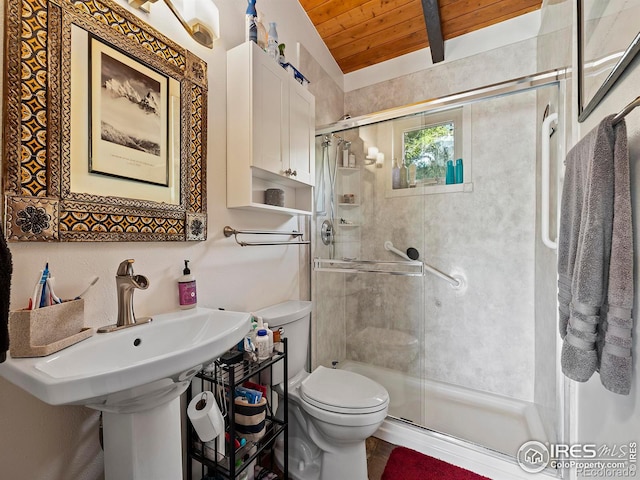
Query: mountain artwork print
point(130, 113)
point(129, 117)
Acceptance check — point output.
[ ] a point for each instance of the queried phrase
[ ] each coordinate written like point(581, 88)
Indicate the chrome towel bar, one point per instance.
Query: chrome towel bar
point(406, 269)
point(623, 113)
point(228, 231)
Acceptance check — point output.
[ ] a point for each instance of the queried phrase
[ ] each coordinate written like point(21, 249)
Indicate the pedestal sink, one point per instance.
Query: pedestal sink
point(135, 376)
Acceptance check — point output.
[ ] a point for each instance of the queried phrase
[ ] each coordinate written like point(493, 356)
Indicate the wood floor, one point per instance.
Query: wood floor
point(378, 452)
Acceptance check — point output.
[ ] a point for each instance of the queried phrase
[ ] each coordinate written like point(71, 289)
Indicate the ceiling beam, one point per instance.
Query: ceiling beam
point(431, 13)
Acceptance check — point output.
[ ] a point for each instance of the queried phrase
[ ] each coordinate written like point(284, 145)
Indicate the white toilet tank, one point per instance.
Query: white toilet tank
point(294, 316)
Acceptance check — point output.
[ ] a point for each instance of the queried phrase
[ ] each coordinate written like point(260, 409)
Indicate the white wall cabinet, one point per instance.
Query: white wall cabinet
point(270, 133)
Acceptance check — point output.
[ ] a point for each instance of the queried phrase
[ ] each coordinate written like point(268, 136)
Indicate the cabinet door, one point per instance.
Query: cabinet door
point(271, 115)
point(301, 133)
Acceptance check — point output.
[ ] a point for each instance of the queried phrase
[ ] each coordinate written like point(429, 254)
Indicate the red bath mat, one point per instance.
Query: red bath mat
point(407, 464)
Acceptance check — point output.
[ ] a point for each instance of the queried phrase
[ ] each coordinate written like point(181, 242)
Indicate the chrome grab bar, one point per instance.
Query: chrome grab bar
point(228, 231)
point(453, 281)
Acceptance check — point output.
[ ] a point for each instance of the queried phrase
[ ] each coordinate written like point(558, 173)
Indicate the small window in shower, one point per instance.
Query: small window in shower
point(426, 151)
point(423, 145)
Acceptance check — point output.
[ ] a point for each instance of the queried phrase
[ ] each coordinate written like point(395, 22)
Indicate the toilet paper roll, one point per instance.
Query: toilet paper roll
point(205, 416)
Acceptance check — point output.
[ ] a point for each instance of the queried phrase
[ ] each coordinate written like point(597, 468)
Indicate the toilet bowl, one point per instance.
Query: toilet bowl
point(330, 412)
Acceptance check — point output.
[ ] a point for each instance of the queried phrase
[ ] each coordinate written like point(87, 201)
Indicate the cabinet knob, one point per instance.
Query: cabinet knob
point(288, 172)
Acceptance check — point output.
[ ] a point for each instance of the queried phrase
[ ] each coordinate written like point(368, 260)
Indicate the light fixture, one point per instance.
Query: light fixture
point(379, 160)
point(199, 30)
point(372, 155)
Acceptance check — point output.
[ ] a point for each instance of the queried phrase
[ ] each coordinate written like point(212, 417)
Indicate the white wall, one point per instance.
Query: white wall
point(61, 443)
point(604, 417)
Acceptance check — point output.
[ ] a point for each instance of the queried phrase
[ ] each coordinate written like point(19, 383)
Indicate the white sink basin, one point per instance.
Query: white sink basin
point(133, 369)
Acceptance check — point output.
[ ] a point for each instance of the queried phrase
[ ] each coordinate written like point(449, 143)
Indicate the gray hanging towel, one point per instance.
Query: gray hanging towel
point(6, 268)
point(584, 246)
point(614, 338)
point(595, 259)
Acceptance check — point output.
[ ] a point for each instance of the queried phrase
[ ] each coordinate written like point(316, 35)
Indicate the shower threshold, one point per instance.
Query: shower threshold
point(496, 423)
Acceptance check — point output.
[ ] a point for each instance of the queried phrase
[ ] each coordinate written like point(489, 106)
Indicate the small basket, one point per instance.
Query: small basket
point(250, 418)
point(274, 196)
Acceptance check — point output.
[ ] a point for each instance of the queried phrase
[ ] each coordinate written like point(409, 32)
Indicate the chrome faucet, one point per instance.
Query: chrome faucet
point(126, 283)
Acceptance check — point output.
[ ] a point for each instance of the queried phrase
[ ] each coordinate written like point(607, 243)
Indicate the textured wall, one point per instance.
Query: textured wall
point(483, 338)
point(490, 67)
point(329, 96)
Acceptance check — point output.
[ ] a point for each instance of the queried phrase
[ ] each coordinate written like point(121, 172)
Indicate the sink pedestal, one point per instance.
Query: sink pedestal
point(143, 445)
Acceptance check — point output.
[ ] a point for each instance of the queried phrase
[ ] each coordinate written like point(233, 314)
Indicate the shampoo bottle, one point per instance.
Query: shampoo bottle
point(459, 171)
point(272, 43)
point(270, 336)
point(187, 288)
point(251, 28)
point(450, 176)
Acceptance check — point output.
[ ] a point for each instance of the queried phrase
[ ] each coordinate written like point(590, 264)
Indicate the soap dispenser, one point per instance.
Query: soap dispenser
point(187, 288)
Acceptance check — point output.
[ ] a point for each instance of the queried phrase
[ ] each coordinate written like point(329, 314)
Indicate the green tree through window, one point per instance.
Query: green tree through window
point(429, 148)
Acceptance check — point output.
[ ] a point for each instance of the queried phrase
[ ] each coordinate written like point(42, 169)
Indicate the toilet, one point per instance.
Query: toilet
point(330, 412)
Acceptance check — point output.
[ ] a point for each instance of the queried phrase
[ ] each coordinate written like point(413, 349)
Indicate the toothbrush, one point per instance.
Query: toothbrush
point(55, 298)
point(93, 282)
point(43, 286)
point(33, 301)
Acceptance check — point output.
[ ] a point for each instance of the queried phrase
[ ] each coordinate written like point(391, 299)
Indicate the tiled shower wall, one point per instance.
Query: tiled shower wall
point(482, 338)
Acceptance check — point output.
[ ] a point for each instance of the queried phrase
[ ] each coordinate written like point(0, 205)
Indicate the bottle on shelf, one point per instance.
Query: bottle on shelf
point(404, 182)
point(459, 172)
point(345, 154)
point(450, 176)
point(262, 32)
point(272, 43)
point(412, 175)
point(395, 175)
point(251, 29)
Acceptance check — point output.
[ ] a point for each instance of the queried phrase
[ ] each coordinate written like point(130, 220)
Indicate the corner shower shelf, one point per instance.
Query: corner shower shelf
point(408, 269)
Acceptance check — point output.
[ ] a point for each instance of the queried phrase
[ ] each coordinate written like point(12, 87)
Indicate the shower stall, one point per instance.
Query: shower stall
point(438, 286)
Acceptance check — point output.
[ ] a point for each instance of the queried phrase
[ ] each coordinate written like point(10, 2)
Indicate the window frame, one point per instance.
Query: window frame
point(461, 118)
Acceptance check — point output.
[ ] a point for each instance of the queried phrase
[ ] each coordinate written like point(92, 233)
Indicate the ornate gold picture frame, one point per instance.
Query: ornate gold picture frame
point(42, 199)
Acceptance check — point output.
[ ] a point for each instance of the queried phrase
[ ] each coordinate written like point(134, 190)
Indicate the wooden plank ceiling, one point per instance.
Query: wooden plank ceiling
point(360, 33)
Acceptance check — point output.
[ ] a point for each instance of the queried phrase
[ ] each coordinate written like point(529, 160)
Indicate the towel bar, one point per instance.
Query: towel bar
point(228, 231)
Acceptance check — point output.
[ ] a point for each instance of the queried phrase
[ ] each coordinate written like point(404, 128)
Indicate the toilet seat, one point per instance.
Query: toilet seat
point(344, 392)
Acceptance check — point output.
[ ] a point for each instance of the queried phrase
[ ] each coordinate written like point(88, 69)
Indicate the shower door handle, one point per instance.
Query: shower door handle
point(544, 189)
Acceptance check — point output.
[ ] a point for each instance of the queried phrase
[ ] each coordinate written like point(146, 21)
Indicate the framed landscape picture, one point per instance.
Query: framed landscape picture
point(128, 117)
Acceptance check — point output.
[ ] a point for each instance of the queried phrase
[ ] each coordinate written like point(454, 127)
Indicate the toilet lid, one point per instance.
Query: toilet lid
point(343, 391)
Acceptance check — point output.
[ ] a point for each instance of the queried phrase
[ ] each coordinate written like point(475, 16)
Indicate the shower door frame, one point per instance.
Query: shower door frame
point(565, 394)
